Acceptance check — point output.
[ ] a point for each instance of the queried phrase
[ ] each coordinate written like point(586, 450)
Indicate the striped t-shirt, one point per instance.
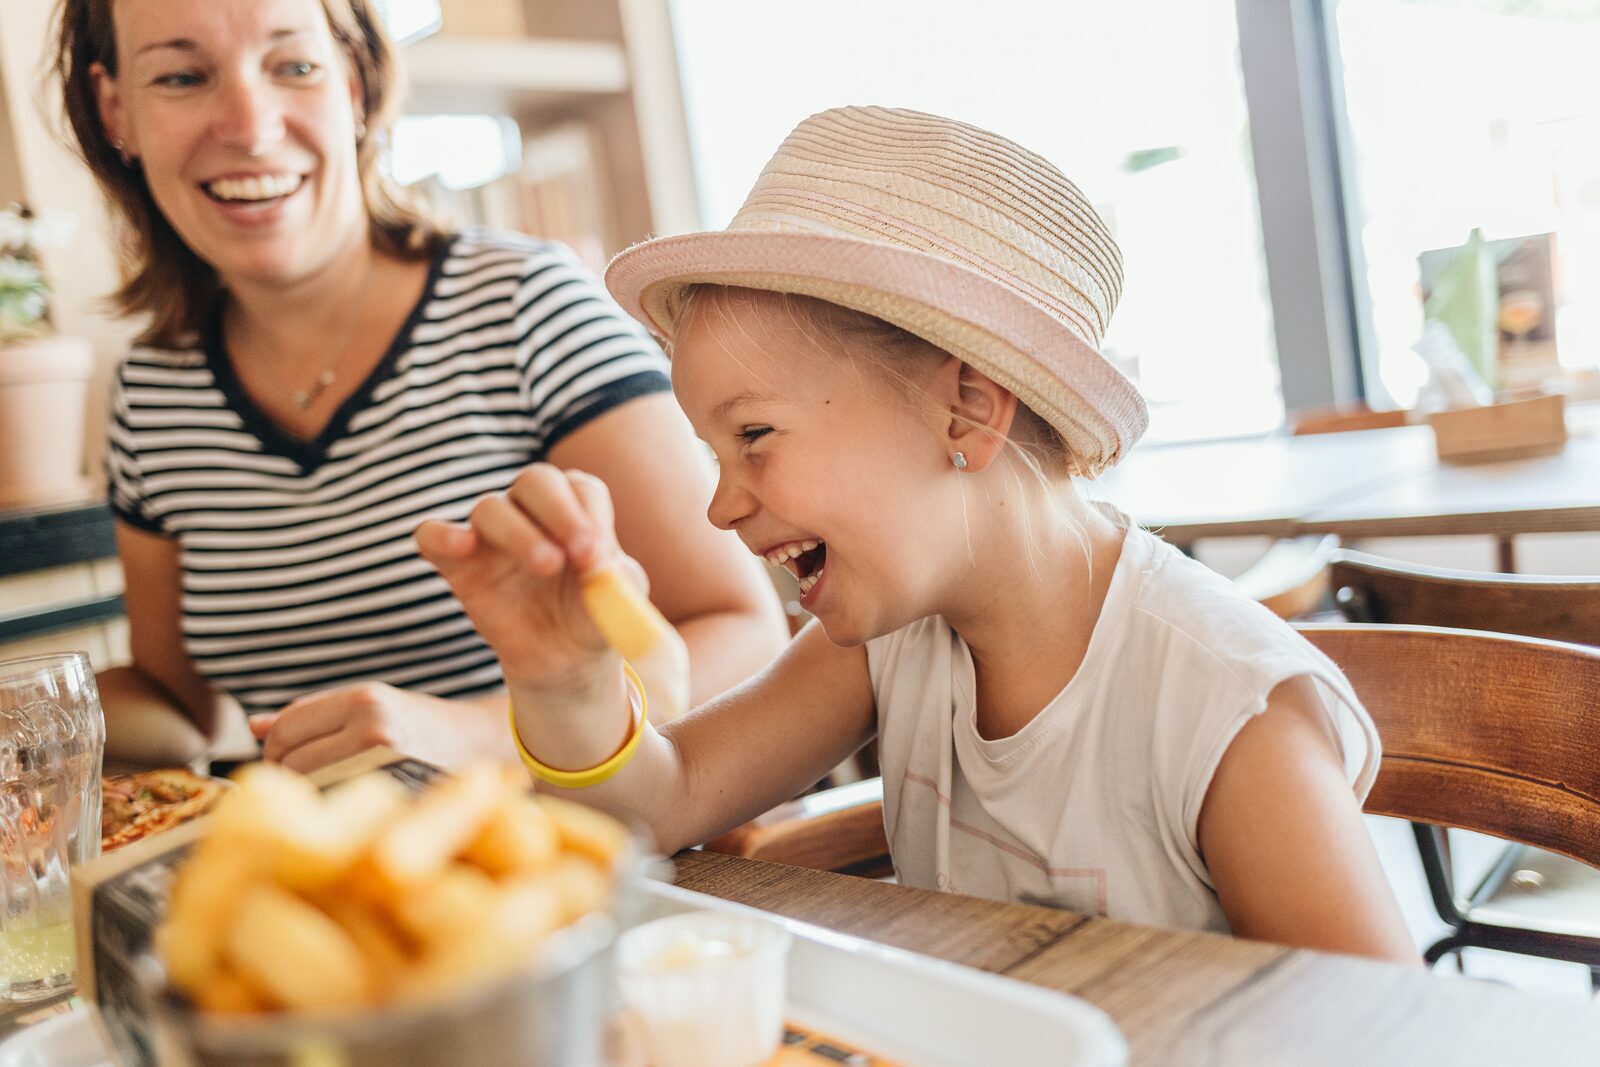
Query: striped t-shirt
point(297, 565)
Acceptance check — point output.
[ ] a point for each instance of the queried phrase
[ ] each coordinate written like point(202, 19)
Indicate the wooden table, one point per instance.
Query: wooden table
point(1369, 483)
point(1185, 999)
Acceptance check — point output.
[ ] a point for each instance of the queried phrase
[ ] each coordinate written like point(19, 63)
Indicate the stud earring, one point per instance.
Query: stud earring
point(122, 151)
point(960, 461)
point(361, 130)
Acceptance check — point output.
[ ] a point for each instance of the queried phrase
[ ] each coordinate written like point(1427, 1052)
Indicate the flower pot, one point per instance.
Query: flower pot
point(43, 398)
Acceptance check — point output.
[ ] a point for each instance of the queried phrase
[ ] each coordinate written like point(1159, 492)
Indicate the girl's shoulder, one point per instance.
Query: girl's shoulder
point(1202, 623)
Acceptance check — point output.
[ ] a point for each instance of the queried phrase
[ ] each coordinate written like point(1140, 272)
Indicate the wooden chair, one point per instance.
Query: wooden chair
point(839, 829)
point(1491, 733)
point(1370, 588)
point(1291, 577)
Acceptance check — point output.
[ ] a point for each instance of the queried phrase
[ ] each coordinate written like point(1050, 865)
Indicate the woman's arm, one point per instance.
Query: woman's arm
point(158, 708)
point(705, 582)
point(1283, 838)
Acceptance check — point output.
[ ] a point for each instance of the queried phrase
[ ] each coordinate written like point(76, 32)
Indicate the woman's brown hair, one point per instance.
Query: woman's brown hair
point(161, 276)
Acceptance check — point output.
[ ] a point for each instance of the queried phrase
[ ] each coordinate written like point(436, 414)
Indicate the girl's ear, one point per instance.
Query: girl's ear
point(979, 413)
point(112, 117)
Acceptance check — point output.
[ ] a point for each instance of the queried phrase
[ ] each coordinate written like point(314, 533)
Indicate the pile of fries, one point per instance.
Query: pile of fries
point(371, 894)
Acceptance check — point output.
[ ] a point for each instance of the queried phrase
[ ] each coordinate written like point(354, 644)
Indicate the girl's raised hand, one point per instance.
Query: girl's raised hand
point(517, 565)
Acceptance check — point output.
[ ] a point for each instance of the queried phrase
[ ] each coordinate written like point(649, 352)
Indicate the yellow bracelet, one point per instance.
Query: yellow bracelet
point(594, 775)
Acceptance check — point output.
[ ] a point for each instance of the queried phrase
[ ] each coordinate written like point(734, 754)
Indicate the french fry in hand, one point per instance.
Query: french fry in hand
point(642, 636)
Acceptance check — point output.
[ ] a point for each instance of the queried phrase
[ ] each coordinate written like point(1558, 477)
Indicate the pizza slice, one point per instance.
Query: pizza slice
point(134, 806)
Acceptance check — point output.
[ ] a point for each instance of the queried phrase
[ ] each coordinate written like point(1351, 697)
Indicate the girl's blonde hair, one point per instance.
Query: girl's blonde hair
point(161, 275)
point(892, 352)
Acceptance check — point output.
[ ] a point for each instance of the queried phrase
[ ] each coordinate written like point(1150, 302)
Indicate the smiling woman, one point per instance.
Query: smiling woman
point(326, 366)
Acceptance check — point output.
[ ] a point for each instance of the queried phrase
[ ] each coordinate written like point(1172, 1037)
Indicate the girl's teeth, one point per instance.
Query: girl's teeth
point(808, 581)
point(255, 187)
point(779, 556)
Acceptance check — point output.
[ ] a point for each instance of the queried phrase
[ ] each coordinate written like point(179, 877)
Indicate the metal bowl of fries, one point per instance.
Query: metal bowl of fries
point(470, 924)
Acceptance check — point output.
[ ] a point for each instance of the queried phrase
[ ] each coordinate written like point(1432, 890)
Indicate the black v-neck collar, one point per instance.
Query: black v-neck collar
point(309, 454)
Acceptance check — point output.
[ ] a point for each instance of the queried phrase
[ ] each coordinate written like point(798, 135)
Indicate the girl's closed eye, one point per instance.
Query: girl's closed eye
point(751, 434)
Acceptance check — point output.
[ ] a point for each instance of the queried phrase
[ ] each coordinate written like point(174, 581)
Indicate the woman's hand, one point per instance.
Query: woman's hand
point(329, 726)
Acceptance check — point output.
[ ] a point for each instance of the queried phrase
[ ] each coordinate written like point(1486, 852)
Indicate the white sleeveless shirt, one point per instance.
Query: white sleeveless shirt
point(1094, 805)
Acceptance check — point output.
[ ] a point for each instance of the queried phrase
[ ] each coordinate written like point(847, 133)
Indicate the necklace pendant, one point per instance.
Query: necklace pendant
point(306, 397)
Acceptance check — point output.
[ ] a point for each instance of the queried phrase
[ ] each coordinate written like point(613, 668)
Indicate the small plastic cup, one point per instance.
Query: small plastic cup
point(706, 989)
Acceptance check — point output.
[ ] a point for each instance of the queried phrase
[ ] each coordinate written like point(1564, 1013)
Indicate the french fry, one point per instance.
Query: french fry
point(633, 626)
point(296, 901)
point(447, 908)
point(378, 937)
point(581, 886)
point(526, 911)
point(623, 615)
point(204, 895)
point(586, 831)
point(416, 846)
point(295, 954)
point(229, 994)
point(518, 838)
point(314, 854)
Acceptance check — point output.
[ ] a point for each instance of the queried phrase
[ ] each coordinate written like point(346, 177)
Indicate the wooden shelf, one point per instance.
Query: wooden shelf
point(459, 75)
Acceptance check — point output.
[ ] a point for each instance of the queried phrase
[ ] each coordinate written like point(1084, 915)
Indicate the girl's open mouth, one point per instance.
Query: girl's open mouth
point(803, 559)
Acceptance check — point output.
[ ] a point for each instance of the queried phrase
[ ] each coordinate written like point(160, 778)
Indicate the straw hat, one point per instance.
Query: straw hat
point(960, 236)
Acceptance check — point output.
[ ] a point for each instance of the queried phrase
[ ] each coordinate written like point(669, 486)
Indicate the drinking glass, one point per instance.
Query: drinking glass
point(52, 735)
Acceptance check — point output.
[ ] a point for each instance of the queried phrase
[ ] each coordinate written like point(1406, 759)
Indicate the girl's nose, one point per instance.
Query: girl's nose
point(249, 115)
point(730, 505)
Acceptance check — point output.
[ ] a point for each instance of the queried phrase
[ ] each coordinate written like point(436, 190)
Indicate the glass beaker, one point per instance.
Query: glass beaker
point(52, 735)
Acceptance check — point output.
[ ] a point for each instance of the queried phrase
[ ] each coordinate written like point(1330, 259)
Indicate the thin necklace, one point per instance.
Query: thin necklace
point(304, 398)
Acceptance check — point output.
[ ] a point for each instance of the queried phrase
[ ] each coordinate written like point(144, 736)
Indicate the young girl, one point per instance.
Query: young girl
point(893, 353)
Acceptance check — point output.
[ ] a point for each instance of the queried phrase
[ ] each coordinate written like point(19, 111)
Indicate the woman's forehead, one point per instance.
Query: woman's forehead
point(142, 24)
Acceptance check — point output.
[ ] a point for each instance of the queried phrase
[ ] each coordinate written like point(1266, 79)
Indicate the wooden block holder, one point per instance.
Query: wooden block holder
point(1509, 429)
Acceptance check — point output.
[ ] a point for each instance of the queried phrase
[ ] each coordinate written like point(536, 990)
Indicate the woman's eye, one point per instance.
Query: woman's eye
point(182, 79)
point(300, 68)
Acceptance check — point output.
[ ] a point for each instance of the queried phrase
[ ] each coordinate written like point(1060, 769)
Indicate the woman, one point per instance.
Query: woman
point(324, 369)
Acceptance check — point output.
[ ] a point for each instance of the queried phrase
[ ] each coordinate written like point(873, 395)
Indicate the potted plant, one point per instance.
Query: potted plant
point(44, 377)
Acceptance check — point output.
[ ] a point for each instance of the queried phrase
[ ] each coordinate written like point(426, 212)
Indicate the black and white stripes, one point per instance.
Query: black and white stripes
point(298, 569)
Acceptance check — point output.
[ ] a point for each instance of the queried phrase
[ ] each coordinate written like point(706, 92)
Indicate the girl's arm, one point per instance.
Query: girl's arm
point(1284, 840)
point(709, 587)
point(748, 750)
point(517, 567)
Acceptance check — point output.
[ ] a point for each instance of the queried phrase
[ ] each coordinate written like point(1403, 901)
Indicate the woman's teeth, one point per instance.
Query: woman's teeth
point(255, 187)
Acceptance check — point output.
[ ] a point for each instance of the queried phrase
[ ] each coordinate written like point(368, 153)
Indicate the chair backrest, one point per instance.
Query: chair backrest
point(1373, 589)
point(1494, 733)
point(1291, 577)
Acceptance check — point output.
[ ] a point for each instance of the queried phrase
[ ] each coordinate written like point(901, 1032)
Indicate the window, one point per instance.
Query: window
point(1141, 105)
point(1478, 115)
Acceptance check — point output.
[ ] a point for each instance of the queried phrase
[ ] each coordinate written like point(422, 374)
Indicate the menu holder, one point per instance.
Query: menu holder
point(1511, 429)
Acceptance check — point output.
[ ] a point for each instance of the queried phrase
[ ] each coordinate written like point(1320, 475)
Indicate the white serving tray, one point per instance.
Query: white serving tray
point(922, 1011)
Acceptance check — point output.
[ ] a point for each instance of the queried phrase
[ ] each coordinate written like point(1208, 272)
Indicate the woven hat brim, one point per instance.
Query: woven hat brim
point(1008, 337)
